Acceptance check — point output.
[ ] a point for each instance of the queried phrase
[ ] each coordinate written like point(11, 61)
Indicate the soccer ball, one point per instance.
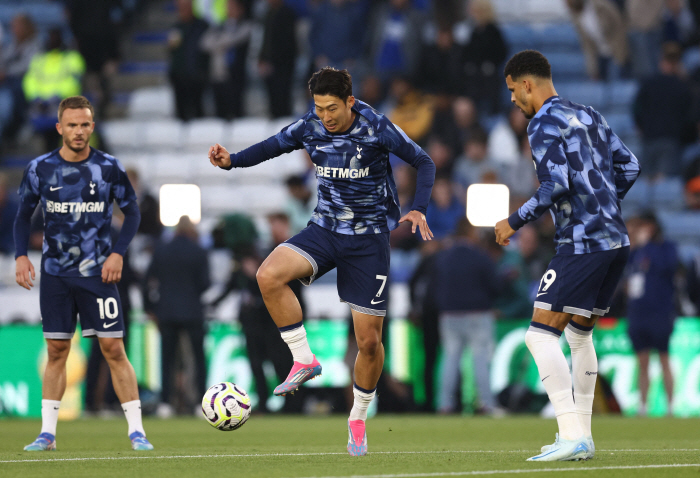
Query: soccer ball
point(226, 406)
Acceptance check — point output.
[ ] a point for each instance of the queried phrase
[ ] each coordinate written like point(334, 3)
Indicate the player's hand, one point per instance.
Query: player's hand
point(24, 272)
point(503, 232)
point(112, 269)
point(417, 219)
point(218, 156)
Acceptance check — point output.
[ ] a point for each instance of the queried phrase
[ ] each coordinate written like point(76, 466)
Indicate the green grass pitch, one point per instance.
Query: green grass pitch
point(399, 446)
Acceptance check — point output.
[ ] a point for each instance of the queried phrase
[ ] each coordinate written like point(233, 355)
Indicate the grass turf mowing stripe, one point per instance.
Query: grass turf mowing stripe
point(268, 455)
point(515, 472)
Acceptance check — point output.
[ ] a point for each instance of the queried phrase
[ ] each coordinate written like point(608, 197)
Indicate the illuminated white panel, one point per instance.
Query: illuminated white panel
point(177, 200)
point(487, 204)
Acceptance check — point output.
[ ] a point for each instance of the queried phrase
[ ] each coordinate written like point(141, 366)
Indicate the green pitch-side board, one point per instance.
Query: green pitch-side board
point(24, 356)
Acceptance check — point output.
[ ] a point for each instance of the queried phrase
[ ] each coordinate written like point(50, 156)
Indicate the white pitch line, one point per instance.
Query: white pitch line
point(263, 455)
point(515, 472)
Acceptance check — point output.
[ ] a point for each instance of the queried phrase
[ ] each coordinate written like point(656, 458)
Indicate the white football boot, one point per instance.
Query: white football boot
point(565, 450)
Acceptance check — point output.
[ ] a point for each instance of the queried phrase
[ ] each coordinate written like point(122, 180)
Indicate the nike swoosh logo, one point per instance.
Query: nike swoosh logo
point(55, 189)
point(542, 293)
point(373, 302)
point(109, 325)
point(545, 378)
point(321, 149)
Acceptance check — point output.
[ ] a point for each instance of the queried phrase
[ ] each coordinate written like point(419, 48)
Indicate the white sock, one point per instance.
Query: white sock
point(554, 372)
point(132, 410)
point(584, 367)
point(362, 400)
point(49, 416)
point(295, 337)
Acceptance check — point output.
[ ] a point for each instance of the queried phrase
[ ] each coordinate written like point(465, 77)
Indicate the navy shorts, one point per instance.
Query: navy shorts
point(362, 261)
point(97, 304)
point(648, 335)
point(582, 284)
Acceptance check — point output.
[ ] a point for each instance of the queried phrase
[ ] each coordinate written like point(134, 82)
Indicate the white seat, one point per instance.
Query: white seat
point(246, 132)
point(123, 134)
point(164, 134)
point(152, 102)
point(251, 199)
point(202, 133)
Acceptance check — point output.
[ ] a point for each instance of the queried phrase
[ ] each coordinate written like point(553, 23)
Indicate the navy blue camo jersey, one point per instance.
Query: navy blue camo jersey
point(77, 199)
point(356, 189)
point(584, 172)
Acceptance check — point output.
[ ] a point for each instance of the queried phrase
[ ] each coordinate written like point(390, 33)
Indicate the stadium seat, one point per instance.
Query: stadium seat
point(585, 92)
point(559, 37)
point(252, 199)
point(520, 36)
point(152, 102)
point(668, 194)
point(248, 131)
point(123, 134)
point(202, 133)
point(621, 123)
point(680, 225)
point(571, 66)
point(163, 134)
point(622, 93)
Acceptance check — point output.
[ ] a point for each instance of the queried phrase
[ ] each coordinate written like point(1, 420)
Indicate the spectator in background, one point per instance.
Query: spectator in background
point(466, 319)
point(425, 314)
point(442, 155)
point(678, 24)
point(301, 204)
point(97, 39)
point(395, 39)
point(8, 211)
point(520, 177)
point(603, 35)
point(15, 58)
point(440, 69)
point(176, 279)
point(412, 111)
point(651, 272)
point(52, 76)
point(148, 205)
point(278, 56)
point(514, 300)
point(345, 21)
point(473, 163)
point(444, 209)
point(535, 257)
point(506, 136)
point(483, 57)
point(663, 114)
point(227, 45)
point(645, 24)
point(258, 327)
point(189, 65)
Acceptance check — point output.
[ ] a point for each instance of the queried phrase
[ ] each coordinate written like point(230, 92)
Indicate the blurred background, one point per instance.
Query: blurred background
point(169, 78)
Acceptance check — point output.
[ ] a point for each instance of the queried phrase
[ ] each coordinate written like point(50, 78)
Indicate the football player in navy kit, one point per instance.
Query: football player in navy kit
point(349, 143)
point(76, 186)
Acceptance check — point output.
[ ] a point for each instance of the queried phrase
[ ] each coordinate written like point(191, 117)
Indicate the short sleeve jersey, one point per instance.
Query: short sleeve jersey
point(356, 189)
point(76, 198)
point(587, 169)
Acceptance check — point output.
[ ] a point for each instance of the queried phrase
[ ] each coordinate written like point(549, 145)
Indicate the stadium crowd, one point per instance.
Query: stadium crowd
point(435, 68)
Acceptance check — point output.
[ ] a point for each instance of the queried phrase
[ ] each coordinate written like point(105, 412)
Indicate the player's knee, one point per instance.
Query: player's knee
point(369, 345)
point(267, 278)
point(113, 350)
point(58, 350)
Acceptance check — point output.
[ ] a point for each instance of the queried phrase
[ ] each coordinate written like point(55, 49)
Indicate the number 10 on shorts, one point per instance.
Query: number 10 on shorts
point(108, 308)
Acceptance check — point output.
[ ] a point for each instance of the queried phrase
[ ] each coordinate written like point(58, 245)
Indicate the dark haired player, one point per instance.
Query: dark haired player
point(349, 142)
point(76, 186)
point(584, 172)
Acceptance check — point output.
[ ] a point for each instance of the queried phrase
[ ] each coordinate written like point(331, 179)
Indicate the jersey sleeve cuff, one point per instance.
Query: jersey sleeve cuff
point(515, 221)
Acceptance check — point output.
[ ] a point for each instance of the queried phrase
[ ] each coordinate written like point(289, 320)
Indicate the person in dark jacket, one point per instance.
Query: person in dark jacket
point(278, 57)
point(177, 277)
point(466, 285)
point(189, 64)
point(651, 271)
point(483, 55)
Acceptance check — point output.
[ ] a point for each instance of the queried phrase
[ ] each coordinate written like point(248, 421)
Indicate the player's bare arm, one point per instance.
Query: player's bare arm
point(112, 268)
point(219, 156)
point(418, 220)
point(503, 232)
point(24, 272)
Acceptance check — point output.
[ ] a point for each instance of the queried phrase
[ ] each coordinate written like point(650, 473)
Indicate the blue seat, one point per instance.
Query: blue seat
point(559, 36)
point(571, 66)
point(622, 93)
point(588, 93)
point(668, 194)
point(622, 124)
point(680, 225)
point(519, 36)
